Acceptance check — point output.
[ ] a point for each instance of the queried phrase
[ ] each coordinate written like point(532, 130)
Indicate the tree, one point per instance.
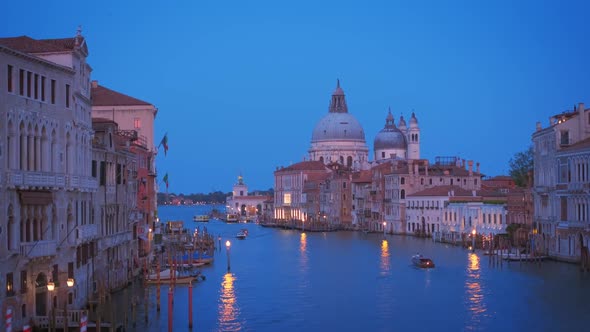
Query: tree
point(520, 166)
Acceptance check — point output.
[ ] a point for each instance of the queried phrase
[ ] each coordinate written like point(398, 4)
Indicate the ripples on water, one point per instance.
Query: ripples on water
point(284, 281)
point(229, 309)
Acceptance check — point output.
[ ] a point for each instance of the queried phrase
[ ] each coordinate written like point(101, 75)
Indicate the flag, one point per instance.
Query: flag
point(164, 142)
point(165, 179)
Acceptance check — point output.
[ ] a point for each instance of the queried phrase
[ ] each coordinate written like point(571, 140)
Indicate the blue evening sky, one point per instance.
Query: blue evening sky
point(240, 85)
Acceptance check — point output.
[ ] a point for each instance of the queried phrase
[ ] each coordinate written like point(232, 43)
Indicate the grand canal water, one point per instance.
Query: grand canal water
point(285, 280)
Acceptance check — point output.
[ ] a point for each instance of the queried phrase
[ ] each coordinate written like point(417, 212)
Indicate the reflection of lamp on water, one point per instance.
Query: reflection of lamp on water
point(227, 245)
point(473, 240)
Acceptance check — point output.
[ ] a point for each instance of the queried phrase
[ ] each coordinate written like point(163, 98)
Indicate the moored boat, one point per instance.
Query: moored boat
point(231, 217)
point(201, 218)
point(166, 278)
point(241, 235)
point(421, 261)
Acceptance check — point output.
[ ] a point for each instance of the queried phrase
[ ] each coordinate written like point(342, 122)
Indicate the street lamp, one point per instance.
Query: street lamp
point(51, 288)
point(227, 245)
point(70, 283)
point(384, 228)
point(473, 240)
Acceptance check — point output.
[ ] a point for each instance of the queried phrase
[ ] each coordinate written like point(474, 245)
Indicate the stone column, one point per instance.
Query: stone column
point(31, 153)
point(23, 152)
point(38, 156)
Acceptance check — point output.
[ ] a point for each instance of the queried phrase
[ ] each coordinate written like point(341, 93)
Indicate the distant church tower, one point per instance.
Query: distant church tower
point(413, 138)
point(240, 189)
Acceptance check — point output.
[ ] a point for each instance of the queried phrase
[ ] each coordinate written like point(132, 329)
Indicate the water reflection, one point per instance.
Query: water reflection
point(385, 262)
point(228, 308)
point(303, 251)
point(474, 294)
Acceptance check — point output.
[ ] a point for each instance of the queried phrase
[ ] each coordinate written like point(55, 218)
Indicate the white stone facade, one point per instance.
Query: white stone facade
point(561, 190)
point(46, 188)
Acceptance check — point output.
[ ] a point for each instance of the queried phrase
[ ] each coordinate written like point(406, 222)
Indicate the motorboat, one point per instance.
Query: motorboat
point(241, 235)
point(422, 262)
point(201, 218)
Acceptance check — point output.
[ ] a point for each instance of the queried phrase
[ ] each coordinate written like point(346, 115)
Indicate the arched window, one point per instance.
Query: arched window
point(403, 181)
point(341, 160)
point(403, 194)
point(322, 159)
point(349, 161)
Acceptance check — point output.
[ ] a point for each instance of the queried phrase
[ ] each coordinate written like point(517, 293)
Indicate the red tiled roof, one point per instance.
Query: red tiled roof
point(362, 176)
point(305, 166)
point(102, 96)
point(27, 44)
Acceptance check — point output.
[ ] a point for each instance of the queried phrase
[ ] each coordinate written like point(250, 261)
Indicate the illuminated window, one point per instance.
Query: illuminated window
point(137, 123)
point(287, 198)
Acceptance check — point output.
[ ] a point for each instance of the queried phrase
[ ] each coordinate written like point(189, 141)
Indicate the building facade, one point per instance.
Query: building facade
point(561, 183)
point(46, 187)
point(135, 118)
point(248, 206)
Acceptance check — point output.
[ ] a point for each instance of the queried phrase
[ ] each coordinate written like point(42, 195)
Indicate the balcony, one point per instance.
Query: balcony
point(82, 183)
point(86, 232)
point(38, 249)
point(34, 180)
point(114, 240)
point(572, 224)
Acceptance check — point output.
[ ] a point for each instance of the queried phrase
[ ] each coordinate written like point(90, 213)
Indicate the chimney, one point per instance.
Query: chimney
point(426, 167)
point(539, 126)
point(477, 167)
point(463, 164)
point(94, 84)
point(470, 167)
point(410, 169)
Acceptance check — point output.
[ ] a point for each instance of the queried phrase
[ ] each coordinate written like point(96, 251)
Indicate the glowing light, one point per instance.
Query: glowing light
point(228, 310)
point(473, 232)
point(50, 286)
point(70, 282)
point(227, 244)
point(384, 257)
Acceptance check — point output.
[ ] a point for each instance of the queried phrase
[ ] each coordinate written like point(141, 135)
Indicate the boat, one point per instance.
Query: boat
point(421, 261)
point(166, 278)
point(201, 218)
point(241, 235)
point(231, 217)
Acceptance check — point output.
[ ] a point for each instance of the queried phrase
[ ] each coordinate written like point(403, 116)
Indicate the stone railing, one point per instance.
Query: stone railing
point(38, 249)
point(83, 183)
point(29, 179)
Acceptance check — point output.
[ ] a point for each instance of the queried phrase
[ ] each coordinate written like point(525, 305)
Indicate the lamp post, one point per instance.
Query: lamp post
point(384, 228)
point(51, 288)
point(473, 240)
point(227, 245)
point(70, 283)
point(303, 223)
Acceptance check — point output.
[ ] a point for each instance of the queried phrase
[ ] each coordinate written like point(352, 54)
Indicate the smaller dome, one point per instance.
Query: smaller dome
point(390, 137)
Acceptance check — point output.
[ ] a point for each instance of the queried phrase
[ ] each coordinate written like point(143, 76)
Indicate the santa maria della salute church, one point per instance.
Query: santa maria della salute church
point(340, 187)
point(339, 138)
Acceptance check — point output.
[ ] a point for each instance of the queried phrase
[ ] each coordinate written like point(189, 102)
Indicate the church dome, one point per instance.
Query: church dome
point(390, 137)
point(338, 124)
